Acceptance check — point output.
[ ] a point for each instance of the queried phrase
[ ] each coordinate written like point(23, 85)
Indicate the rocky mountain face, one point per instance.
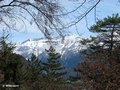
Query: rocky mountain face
point(68, 47)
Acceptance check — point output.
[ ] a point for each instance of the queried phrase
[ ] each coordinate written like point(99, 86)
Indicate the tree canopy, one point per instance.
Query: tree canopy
point(109, 23)
point(100, 68)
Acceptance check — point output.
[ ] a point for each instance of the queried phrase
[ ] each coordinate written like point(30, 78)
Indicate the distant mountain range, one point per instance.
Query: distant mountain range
point(68, 46)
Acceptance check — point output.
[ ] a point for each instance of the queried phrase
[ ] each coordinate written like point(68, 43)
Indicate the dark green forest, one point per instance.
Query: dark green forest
point(31, 74)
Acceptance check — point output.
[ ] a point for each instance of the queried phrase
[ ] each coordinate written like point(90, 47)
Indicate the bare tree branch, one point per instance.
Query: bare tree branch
point(84, 14)
point(42, 13)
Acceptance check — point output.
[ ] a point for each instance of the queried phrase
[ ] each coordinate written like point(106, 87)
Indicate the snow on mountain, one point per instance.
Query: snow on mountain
point(68, 47)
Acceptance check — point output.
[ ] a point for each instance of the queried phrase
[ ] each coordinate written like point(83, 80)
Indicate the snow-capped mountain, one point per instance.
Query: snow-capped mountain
point(68, 47)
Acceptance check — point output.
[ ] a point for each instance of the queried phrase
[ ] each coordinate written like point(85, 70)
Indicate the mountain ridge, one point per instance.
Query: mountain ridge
point(68, 47)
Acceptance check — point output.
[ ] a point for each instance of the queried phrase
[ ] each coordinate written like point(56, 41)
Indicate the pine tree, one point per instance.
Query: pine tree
point(54, 71)
point(34, 73)
point(100, 68)
point(109, 34)
point(10, 63)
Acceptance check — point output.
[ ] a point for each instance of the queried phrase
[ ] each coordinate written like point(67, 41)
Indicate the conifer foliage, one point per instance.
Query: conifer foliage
point(10, 63)
point(34, 73)
point(53, 70)
point(100, 69)
point(47, 75)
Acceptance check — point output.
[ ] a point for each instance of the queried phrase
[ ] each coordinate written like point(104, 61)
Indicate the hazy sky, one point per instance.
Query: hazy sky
point(104, 8)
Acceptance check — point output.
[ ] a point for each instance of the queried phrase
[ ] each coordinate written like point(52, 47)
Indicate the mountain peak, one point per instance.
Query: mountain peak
point(68, 47)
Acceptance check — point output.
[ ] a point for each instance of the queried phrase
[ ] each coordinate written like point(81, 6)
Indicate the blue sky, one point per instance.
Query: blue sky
point(104, 8)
